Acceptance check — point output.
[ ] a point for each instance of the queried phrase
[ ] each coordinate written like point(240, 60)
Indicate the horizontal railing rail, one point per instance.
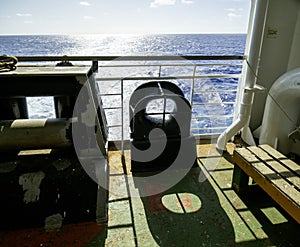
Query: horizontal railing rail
point(214, 117)
point(126, 58)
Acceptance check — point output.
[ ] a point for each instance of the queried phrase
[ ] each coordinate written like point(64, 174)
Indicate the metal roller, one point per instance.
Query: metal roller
point(34, 134)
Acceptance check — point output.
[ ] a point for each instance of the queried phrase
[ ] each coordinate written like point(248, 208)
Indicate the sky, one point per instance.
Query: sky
point(123, 16)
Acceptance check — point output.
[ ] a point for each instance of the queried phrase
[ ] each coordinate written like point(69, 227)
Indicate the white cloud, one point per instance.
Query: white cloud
point(85, 3)
point(234, 10)
point(5, 16)
point(88, 17)
point(158, 3)
point(23, 15)
point(233, 15)
point(187, 1)
point(231, 10)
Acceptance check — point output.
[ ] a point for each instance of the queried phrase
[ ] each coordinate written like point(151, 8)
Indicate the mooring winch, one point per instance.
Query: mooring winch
point(160, 119)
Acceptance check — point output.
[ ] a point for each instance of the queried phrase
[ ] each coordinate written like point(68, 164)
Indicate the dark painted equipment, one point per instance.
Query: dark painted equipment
point(40, 174)
point(159, 105)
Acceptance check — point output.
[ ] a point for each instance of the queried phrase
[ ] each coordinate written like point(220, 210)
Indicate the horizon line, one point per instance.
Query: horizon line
point(117, 34)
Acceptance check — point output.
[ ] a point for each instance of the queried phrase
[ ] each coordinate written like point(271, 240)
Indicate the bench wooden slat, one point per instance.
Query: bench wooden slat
point(279, 156)
point(277, 187)
point(277, 166)
point(272, 176)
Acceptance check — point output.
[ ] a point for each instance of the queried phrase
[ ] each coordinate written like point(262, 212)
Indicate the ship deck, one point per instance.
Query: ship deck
point(201, 210)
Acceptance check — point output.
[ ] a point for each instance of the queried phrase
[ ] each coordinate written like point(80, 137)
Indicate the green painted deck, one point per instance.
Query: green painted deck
point(201, 210)
point(196, 213)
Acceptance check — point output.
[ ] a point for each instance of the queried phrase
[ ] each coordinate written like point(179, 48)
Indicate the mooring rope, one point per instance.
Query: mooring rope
point(8, 63)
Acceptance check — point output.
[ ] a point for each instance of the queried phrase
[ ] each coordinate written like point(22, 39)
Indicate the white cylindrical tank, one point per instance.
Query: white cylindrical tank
point(282, 112)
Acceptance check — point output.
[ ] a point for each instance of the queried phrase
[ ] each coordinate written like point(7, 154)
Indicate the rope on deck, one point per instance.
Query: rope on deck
point(8, 63)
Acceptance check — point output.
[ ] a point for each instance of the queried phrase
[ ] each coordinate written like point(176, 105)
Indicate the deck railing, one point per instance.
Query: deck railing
point(210, 83)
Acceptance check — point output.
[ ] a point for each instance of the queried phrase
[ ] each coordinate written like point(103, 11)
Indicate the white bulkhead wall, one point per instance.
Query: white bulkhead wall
point(280, 50)
point(294, 61)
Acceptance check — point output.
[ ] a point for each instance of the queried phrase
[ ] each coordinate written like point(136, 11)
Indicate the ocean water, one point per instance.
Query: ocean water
point(127, 45)
point(160, 44)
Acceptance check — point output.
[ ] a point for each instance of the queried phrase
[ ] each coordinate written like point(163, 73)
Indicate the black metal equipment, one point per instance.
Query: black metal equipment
point(41, 175)
point(159, 105)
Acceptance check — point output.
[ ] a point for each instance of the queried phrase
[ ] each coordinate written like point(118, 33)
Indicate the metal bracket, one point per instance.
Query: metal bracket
point(295, 135)
point(65, 62)
point(256, 89)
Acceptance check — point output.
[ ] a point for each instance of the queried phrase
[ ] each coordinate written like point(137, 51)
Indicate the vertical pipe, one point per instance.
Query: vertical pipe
point(159, 71)
point(20, 108)
point(122, 116)
point(95, 66)
point(192, 86)
point(259, 24)
point(257, 34)
point(13, 108)
point(256, 41)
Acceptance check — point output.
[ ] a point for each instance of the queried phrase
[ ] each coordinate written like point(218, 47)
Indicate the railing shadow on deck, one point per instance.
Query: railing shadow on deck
point(194, 214)
point(268, 222)
point(190, 213)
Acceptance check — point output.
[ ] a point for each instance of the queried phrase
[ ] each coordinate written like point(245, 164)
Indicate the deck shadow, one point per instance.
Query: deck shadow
point(188, 214)
point(280, 227)
point(64, 189)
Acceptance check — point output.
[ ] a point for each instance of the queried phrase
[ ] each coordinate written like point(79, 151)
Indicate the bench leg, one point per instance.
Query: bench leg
point(240, 180)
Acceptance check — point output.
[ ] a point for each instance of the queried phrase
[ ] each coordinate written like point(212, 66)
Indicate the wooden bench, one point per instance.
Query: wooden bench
point(273, 172)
